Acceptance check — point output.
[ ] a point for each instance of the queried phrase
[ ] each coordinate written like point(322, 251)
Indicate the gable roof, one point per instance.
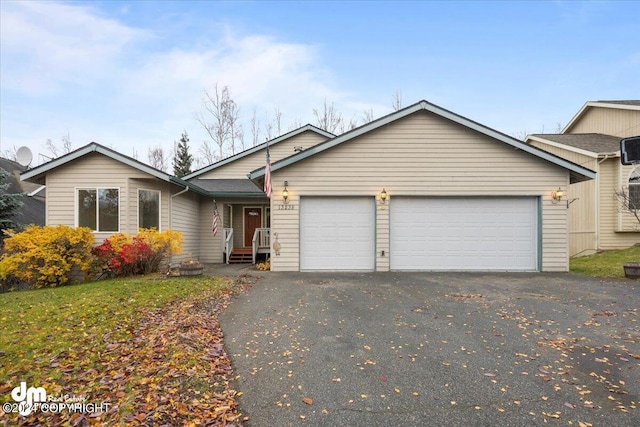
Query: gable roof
point(305, 128)
point(229, 187)
point(590, 144)
point(631, 104)
point(578, 173)
point(38, 173)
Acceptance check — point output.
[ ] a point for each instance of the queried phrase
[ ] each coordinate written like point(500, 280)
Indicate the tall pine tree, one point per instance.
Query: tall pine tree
point(183, 159)
point(9, 204)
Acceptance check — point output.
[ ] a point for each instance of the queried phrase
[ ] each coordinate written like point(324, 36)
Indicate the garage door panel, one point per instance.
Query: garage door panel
point(442, 233)
point(337, 233)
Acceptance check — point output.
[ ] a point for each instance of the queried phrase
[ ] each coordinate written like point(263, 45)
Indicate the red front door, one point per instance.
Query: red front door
point(252, 220)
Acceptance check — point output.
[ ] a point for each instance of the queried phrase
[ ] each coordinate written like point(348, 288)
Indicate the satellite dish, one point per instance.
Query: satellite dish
point(24, 156)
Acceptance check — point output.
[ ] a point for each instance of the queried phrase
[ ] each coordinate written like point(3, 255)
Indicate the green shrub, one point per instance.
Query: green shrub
point(46, 256)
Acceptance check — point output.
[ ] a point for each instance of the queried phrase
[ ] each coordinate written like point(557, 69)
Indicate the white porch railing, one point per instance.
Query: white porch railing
point(228, 242)
point(261, 242)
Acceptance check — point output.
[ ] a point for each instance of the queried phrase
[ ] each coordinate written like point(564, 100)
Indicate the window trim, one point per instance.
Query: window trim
point(159, 207)
point(97, 190)
point(634, 172)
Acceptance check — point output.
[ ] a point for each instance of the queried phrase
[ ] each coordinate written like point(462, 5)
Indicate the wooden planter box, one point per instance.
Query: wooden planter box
point(191, 269)
point(632, 270)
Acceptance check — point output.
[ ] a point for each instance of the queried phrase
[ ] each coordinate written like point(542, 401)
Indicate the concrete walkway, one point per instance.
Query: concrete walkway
point(431, 349)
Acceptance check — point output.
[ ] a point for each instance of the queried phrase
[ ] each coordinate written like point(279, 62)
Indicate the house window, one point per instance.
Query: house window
point(634, 190)
point(149, 209)
point(98, 209)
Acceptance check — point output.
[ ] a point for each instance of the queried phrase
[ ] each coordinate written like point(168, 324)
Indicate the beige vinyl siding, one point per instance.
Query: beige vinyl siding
point(241, 167)
point(185, 218)
point(610, 215)
point(420, 155)
point(609, 121)
point(210, 245)
point(91, 171)
point(578, 158)
point(627, 222)
point(582, 195)
point(582, 218)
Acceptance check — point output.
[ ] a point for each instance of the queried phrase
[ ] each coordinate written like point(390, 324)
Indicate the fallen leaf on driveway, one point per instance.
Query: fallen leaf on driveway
point(307, 400)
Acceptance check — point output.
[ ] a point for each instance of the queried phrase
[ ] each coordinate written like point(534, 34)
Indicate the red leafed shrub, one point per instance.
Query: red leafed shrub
point(125, 255)
point(124, 259)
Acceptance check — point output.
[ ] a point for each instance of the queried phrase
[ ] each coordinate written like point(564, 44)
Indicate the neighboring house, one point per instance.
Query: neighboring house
point(33, 205)
point(592, 139)
point(420, 189)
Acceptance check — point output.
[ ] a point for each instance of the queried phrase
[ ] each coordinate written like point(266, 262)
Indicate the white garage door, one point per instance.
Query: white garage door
point(337, 233)
point(442, 233)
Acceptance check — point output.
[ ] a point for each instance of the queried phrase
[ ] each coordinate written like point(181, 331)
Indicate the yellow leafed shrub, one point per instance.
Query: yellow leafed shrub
point(46, 256)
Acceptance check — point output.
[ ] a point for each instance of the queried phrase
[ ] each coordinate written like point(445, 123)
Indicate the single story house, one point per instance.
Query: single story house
point(422, 188)
point(597, 220)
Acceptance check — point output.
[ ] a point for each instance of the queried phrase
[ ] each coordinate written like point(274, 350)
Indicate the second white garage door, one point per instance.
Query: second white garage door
point(446, 233)
point(337, 233)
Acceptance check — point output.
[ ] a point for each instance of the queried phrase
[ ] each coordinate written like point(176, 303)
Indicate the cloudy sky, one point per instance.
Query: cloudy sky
point(131, 75)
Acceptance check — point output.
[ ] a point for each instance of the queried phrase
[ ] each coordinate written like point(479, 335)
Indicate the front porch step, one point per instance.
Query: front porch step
point(241, 256)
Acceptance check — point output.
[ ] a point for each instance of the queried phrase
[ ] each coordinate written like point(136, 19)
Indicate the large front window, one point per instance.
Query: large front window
point(98, 209)
point(634, 190)
point(149, 209)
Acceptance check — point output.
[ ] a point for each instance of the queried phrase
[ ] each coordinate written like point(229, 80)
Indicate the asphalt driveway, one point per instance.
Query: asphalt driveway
point(455, 349)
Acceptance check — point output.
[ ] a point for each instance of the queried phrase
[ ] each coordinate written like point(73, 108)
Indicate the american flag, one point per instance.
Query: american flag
point(216, 217)
point(267, 174)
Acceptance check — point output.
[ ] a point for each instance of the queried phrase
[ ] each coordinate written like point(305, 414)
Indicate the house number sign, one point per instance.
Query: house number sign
point(286, 207)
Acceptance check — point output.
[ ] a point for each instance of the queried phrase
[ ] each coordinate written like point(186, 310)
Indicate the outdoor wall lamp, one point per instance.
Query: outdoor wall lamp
point(557, 195)
point(285, 192)
point(383, 195)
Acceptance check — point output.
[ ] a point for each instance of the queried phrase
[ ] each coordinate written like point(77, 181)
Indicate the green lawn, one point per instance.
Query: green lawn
point(605, 264)
point(39, 325)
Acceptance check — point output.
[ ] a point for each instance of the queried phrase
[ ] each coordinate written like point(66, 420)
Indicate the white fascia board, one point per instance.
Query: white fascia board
point(424, 105)
point(590, 104)
point(93, 148)
point(36, 191)
point(561, 145)
point(258, 148)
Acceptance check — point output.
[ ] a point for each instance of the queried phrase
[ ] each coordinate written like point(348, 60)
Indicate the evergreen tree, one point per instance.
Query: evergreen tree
point(183, 159)
point(9, 204)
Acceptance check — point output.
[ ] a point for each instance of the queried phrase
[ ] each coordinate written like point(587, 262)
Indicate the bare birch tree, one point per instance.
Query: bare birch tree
point(215, 121)
point(157, 159)
point(255, 128)
point(396, 101)
point(328, 118)
point(56, 150)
